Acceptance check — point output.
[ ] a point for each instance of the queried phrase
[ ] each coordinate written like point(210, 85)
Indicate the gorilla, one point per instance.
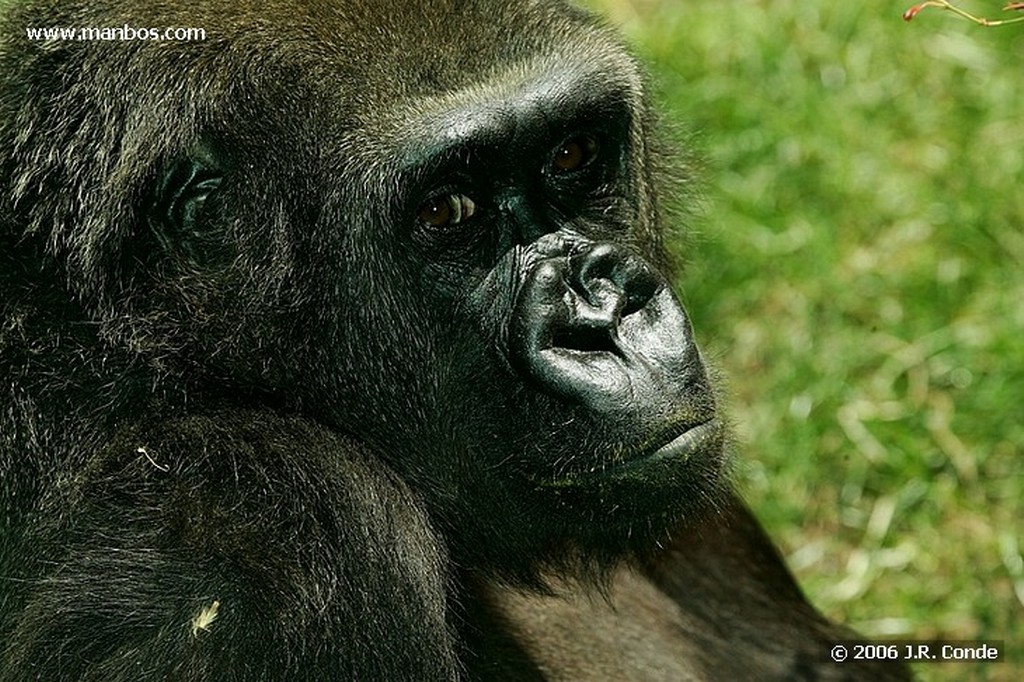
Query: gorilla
point(339, 345)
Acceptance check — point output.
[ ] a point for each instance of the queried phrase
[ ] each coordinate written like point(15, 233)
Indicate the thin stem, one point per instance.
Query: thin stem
point(981, 21)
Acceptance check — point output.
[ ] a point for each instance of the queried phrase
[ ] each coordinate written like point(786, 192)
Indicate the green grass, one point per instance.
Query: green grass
point(859, 276)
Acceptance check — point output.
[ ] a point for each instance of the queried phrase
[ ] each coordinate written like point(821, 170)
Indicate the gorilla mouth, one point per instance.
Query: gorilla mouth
point(694, 440)
point(704, 437)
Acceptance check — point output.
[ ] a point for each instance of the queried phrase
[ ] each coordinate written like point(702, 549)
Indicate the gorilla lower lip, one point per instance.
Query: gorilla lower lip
point(685, 446)
point(681, 447)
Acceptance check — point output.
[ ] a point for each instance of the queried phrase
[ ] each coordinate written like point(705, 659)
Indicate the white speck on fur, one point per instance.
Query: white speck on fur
point(145, 453)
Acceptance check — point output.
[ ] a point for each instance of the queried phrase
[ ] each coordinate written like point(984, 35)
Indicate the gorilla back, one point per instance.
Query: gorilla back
point(340, 346)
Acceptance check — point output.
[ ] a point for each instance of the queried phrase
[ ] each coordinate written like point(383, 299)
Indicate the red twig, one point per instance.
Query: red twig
point(943, 4)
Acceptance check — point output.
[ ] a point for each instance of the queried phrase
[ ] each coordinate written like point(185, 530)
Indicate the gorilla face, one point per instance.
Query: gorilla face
point(453, 254)
point(550, 383)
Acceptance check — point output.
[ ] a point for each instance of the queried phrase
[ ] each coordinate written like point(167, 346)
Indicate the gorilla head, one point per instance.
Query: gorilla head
point(446, 244)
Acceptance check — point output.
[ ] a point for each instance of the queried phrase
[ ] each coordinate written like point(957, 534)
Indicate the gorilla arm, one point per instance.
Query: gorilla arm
point(225, 546)
point(717, 603)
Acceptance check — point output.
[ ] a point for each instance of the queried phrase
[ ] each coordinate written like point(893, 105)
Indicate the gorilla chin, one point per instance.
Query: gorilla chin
point(634, 503)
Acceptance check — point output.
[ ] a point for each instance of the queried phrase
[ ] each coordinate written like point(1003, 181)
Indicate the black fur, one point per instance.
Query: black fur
point(262, 420)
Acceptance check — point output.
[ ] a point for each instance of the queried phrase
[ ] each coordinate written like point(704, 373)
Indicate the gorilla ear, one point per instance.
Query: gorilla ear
point(182, 215)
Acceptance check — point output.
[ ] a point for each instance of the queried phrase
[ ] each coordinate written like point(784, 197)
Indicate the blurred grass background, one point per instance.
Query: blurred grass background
point(859, 275)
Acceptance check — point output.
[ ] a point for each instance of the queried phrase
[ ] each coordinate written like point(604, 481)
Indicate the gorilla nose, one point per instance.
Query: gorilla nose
point(602, 284)
point(598, 325)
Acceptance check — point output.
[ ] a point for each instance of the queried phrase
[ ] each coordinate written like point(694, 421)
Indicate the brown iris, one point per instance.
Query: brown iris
point(575, 153)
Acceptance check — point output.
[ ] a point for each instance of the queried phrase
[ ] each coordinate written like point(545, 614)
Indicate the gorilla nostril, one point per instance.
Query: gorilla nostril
point(643, 286)
point(608, 275)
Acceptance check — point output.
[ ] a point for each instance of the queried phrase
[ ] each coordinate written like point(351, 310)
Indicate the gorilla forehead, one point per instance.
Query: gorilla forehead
point(521, 99)
point(470, 56)
point(335, 62)
point(453, 39)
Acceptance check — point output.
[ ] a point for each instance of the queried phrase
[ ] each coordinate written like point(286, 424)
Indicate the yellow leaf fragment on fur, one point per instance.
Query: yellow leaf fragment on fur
point(205, 618)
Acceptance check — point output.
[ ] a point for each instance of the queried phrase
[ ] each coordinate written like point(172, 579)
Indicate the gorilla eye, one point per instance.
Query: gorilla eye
point(575, 153)
point(447, 209)
point(179, 213)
